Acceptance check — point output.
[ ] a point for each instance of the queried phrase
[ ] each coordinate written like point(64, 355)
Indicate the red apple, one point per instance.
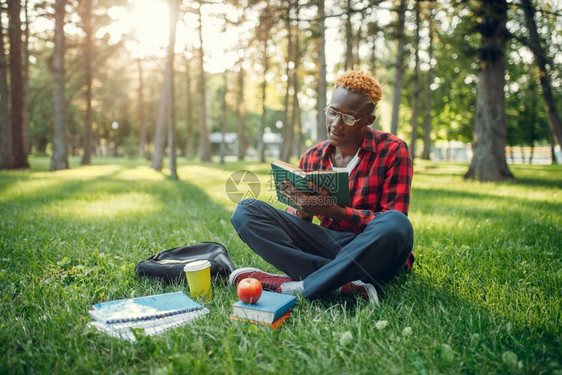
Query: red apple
point(249, 290)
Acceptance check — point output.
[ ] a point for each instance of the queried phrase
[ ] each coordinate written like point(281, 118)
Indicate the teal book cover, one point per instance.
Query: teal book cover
point(335, 182)
point(141, 308)
point(270, 307)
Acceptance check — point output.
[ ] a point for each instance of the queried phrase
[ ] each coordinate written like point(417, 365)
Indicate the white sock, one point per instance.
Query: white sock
point(292, 287)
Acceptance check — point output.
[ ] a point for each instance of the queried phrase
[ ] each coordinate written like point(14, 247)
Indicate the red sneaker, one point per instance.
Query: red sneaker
point(269, 281)
point(364, 290)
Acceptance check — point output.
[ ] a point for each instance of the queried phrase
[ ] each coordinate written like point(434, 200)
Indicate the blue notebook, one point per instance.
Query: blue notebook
point(270, 307)
point(143, 308)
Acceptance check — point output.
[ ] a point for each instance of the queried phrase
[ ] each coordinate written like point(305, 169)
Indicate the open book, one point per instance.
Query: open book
point(335, 182)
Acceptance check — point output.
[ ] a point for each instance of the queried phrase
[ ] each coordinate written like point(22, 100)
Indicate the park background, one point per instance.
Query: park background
point(122, 121)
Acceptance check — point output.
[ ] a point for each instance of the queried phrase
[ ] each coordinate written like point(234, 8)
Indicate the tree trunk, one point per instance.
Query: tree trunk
point(427, 120)
point(399, 67)
point(5, 127)
point(26, 79)
point(417, 89)
point(263, 119)
point(204, 133)
point(174, 14)
point(190, 144)
point(552, 151)
point(223, 119)
point(541, 61)
point(88, 57)
point(141, 114)
point(348, 64)
point(240, 113)
point(59, 159)
point(296, 128)
point(373, 30)
point(489, 162)
point(161, 122)
point(19, 157)
point(165, 111)
point(357, 40)
point(533, 109)
point(321, 102)
point(288, 129)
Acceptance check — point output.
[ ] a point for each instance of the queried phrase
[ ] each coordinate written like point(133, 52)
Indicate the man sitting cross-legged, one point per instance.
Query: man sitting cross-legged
point(355, 249)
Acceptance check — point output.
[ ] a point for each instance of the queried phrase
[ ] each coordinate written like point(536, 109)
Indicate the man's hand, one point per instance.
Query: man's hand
point(319, 203)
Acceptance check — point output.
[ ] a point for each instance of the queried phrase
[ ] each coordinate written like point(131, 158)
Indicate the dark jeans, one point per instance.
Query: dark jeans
point(323, 258)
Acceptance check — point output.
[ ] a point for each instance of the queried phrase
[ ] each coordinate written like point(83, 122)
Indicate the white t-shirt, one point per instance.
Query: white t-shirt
point(352, 164)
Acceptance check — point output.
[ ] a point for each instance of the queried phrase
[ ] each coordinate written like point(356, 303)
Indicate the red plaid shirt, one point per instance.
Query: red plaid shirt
point(380, 182)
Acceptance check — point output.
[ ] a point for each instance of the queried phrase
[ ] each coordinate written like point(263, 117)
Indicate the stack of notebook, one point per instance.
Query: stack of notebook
point(272, 309)
point(151, 314)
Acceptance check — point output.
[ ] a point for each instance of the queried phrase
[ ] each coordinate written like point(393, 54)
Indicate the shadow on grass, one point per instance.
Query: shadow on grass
point(425, 195)
point(536, 182)
point(428, 302)
point(477, 334)
point(178, 213)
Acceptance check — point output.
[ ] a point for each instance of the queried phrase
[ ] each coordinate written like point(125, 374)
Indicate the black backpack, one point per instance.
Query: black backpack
point(168, 265)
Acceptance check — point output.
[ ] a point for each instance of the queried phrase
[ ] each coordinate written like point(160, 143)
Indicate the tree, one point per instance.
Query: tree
point(166, 110)
point(526, 123)
point(296, 136)
point(161, 121)
point(348, 64)
point(263, 32)
point(427, 119)
point(140, 109)
point(240, 111)
point(240, 107)
point(86, 16)
point(205, 143)
point(321, 88)
point(224, 115)
point(25, 77)
point(5, 127)
point(488, 161)
point(399, 66)
point(372, 32)
point(59, 158)
point(19, 156)
point(417, 89)
point(190, 143)
point(535, 44)
point(174, 14)
point(287, 127)
point(291, 117)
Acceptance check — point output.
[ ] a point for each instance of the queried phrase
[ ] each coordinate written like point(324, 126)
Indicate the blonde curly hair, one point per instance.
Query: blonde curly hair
point(361, 83)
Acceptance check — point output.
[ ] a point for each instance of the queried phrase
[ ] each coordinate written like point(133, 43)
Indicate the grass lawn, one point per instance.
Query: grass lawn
point(485, 295)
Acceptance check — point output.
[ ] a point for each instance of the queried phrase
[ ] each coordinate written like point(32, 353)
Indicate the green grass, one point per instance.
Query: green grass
point(485, 295)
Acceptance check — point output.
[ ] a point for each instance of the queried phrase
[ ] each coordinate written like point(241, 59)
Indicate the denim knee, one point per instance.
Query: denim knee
point(242, 212)
point(398, 225)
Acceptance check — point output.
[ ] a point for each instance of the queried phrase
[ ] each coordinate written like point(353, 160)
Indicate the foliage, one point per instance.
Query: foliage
point(484, 295)
point(453, 87)
point(527, 123)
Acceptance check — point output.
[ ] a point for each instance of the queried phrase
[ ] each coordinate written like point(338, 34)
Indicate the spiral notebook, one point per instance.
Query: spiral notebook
point(149, 327)
point(143, 308)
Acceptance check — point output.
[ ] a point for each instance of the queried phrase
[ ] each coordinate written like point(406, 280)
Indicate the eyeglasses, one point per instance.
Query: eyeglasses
point(349, 120)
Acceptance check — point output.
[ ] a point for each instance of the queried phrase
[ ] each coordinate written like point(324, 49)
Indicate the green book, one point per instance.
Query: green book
point(336, 182)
